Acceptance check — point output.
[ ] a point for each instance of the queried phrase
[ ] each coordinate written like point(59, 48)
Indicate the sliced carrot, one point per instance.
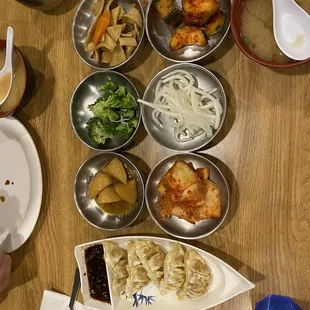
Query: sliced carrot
point(101, 27)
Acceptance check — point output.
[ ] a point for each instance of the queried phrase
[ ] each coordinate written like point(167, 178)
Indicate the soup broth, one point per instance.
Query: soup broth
point(18, 85)
point(5, 82)
point(257, 29)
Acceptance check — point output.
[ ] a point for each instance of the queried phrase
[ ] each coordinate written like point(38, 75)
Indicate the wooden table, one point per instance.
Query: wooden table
point(263, 150)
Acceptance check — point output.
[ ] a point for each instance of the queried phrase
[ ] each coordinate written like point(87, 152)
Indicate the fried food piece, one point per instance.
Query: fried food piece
point(202, 9)
point(215, 24)
point(167, 10)
point(203, 173)
point(198, 277)
point(212, 206)
point(181, 183)
point(186, 35)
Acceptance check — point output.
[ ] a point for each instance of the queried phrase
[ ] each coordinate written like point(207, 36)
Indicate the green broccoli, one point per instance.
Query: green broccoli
point(133, 123)
point(109, 86)
point(121, 92)
point(100, 130)
point(123, 130)
point(129, 102)
point(99, 110)
point(128, 114)
point(105, 96)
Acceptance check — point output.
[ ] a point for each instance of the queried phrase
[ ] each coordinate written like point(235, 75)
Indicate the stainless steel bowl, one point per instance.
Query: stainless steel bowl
point(175, 226)
point(86, 93)
point(88, 208)
point(158, 33)
point(83, 19)
point(165, 137)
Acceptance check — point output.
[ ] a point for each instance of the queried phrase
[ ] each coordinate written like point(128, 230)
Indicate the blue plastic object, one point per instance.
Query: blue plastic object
point(277, 302)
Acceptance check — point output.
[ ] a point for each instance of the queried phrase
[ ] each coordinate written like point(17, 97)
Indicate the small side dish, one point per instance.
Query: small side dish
point(18, 86)
point(199, 19)
point(188, 193)
point(257, 30)
point(188, 277)
point(115, 114)
point(190, 110)
point(115, 34)
point(114, 189)
point(144, 262)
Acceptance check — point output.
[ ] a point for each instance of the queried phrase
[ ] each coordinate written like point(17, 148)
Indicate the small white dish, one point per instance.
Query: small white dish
point(291, 26)
point(20, 201)
point(226, 282)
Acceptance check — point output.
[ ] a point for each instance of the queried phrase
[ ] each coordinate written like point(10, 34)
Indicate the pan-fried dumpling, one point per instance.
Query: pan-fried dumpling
point(174, 270)
point(137, 274)
point(116, 258)
point(197, 276)
point(152, 258)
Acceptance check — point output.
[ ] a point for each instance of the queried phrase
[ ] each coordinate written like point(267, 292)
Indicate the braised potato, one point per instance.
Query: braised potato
point(99, 183)
point(127, 192)
point(116, 208)
point(116, 170)
point(108, 195)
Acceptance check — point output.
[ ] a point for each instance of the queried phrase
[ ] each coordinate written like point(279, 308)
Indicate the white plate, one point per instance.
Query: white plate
point(225, 282)
point(19, 163)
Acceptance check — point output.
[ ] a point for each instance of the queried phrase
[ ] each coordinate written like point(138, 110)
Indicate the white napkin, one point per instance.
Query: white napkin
point(55, 301)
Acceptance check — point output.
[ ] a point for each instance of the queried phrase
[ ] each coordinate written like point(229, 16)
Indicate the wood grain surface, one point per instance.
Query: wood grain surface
point(263, 150)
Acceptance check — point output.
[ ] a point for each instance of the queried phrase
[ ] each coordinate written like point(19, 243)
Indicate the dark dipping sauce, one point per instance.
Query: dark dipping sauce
point(97, 274)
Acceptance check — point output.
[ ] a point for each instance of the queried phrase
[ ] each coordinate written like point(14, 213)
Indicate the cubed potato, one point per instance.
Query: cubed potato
point(127, 192)
point(99, 183)
point(108, 195)
point(116, 170)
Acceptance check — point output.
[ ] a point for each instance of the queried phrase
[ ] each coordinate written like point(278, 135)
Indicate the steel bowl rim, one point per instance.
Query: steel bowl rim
point(129, 58)
point(140, 179)
point(182, 61)
point(224, 106)
point(71, 118)
point(166, 230)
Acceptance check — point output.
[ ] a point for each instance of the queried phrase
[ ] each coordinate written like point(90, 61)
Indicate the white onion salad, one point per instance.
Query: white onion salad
point(191, 111)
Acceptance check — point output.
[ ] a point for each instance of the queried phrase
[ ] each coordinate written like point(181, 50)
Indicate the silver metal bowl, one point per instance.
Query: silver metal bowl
point(89, 209)
point(85, 94)
point(83, 19)
point(179, 227)
point(165, 137)
point(158, 33)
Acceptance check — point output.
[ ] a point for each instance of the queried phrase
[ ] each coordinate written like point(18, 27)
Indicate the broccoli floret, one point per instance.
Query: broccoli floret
point(109, 86)
point(129, 102)
point(128, 114)
point(123, 130)
point(126, 129)
point(99, 110)
point(105, 96)
point(112, 102)
point(121, 92)
point(100, 130)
